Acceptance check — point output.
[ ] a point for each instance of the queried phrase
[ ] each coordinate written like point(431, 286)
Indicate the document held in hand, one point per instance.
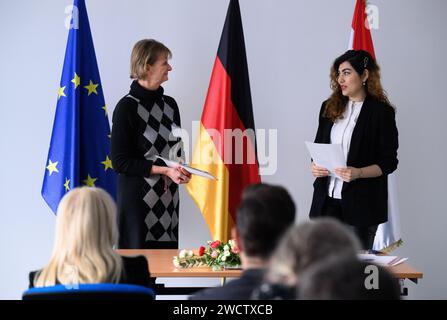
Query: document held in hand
point(173, 164)
point(326, 155)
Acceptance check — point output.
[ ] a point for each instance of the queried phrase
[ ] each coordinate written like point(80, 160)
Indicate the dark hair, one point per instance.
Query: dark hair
point(345, 278)
point(360, 60)
point(264, 214)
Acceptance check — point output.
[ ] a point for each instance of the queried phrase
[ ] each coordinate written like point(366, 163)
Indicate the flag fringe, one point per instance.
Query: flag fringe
point(392, 247)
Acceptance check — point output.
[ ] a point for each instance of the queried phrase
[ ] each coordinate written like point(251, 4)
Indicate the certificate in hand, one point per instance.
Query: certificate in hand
point(173, 164)
point(329, 156)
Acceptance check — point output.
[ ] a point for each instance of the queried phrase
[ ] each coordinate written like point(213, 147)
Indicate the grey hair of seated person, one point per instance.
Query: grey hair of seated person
point(346, 278)
point(306, 244)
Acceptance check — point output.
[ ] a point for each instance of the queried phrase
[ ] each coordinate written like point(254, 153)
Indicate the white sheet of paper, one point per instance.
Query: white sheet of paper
point(329, 156)
point(173, 164)
point(381, 260)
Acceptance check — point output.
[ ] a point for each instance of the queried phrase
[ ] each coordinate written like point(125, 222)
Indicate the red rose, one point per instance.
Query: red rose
point(201, 250)
point(214, 244)
point(235, 250)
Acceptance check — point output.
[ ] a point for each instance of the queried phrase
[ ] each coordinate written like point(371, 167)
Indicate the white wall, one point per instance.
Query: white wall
point(290, 45)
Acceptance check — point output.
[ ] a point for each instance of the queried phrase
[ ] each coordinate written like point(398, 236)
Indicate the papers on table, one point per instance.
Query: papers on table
point(381, 260)
point(329, 156)
point(173, 164)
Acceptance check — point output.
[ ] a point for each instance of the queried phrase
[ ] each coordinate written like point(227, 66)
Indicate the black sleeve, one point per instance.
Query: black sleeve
point(318, 136)
point(136, 271)
point(388, 141)
point(31, 278)
point(124, 141)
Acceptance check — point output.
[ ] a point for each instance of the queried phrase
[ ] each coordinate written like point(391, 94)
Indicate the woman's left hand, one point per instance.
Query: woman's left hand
point(348, 174)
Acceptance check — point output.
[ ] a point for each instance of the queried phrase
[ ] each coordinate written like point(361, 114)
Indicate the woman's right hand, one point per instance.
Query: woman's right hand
point(319, 172)
point(178, 175)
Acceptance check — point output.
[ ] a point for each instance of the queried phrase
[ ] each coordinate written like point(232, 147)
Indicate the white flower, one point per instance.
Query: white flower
point(190, 253)
point(223, 258)
point(182, 254)
point(232, 243)
point(176, 262)
point(227, 248)
point(227, 253)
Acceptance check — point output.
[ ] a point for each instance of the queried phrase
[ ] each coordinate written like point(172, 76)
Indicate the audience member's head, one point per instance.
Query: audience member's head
point(346, 278)
point(263, 216)
point(86, 232)
point(302, 246)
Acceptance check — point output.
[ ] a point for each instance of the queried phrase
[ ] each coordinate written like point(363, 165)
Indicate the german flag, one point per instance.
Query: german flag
point(226, 145)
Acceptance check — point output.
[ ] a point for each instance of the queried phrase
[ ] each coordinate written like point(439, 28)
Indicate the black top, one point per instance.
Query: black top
point(148, 205)
point(135, 271)
point(374, 141)
point(238, 289)
point(128, 149)
point(275, 291)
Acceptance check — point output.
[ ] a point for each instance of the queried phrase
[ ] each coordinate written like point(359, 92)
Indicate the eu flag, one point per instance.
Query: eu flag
point(80, 142)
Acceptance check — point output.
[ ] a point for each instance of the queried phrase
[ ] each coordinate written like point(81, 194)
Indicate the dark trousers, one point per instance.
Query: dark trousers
point(332, 208)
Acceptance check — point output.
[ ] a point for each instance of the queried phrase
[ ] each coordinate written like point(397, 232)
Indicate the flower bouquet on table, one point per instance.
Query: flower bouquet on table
point(217, 255)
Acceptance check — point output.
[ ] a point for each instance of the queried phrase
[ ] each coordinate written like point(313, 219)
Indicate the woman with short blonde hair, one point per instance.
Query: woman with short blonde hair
point(144, 123)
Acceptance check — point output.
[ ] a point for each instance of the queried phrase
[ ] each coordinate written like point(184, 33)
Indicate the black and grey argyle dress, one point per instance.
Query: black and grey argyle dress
point(144, 125)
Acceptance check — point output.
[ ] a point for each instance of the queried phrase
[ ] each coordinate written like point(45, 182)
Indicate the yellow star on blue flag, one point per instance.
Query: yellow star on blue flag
point(61, 92)
point(89, 182)
point(76, 80)
point(52, 167)
point(91, 88)
point(67, 184)
point(107, 163)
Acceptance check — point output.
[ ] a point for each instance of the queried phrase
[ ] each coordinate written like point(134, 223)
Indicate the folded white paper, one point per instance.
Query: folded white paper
point(381, 260)
point(201, 173)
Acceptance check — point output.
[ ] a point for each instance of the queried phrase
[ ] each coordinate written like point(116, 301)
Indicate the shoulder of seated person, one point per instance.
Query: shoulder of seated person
point(32, 276)
point(134, 260)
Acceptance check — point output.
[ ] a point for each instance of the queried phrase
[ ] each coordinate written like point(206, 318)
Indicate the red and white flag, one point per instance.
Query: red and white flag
point(388, 236)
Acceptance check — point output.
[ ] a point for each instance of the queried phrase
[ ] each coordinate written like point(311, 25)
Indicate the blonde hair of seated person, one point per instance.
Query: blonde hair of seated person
point(86, 233)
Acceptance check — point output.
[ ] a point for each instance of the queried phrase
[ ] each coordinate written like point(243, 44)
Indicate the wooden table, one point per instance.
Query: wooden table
point(161, 266)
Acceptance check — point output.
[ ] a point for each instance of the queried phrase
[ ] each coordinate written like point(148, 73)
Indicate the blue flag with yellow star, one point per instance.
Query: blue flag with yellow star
point(80, 142)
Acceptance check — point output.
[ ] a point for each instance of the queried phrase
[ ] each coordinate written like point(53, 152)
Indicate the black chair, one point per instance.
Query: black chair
point(99, 291)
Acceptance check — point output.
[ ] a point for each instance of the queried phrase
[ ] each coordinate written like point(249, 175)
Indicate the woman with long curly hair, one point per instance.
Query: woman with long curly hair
point(359, 116)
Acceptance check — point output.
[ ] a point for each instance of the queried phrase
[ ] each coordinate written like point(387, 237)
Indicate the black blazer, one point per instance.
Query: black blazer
point(238, 289)
point(135, 271)
point(374, 141)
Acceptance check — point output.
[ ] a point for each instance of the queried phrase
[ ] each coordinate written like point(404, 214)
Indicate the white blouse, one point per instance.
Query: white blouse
point(341, 133)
